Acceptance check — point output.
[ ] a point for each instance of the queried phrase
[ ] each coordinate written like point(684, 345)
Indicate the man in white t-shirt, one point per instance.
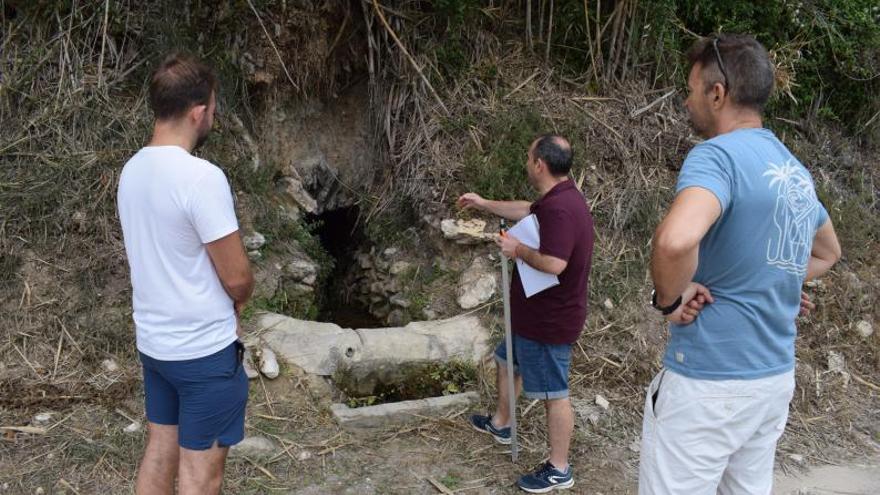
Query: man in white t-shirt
point(190, 278)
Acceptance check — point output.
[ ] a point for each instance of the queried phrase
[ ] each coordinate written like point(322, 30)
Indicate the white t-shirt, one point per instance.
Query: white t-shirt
point(170, 205)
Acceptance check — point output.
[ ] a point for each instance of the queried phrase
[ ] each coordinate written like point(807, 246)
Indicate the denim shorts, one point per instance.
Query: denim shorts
point(543, 367)
point(204, 397)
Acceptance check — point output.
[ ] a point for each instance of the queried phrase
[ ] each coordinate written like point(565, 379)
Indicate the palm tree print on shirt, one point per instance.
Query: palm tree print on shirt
point(789, 245)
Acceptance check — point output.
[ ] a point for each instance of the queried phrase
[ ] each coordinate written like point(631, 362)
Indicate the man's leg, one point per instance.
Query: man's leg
point(560, 422)
point(159, 465)
point(502, 416)
point(201, 471)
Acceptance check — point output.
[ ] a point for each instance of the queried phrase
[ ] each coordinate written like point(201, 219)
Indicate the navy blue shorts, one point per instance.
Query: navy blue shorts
point(543, 367)
point(204, 397)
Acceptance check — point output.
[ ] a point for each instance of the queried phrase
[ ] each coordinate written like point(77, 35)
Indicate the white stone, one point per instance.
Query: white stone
point(602, 402)
point(248, 364)
point(302, 270)
point(466, 231)
point(254, 241)
point(796, 458)
point(400, 413)
point(399, 300)
point(255, 446)
point(477, 285)
point(42, 418)
point(865, 329)
point(269, 363)
point(39, 491)
point(134, 427)
point(389, 252)
point(836, 362)
point(292, 189)
point(399, 267)
point(254, 255)
point(319, 348)
point(304, 455)
point(608, 304)
point(586, 411)
point(109, 366)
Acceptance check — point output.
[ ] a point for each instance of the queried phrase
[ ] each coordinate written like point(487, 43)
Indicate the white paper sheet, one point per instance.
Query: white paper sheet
point(533, 281)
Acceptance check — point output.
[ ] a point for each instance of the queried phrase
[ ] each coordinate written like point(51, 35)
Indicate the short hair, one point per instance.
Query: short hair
point(746, 63)
point(181, 82)
point(555, 151)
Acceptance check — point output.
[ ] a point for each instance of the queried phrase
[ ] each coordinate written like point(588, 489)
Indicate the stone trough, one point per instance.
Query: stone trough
point(376, 354)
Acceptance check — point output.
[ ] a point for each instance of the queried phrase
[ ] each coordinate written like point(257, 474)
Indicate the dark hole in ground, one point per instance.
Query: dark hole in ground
point(341, 235)
point(406, 382)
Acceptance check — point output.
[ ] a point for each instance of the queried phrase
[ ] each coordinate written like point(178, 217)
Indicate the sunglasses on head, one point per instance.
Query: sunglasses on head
point(720, 61)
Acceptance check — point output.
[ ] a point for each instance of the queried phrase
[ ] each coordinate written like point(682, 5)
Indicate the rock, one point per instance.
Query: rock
point(429, 314)
point(109, 366)
point(389, 252)
point(865, 329)
point(397, 318)
point(248, 365)
point(254, 241)
point(134, 427)
point(400, 413)
point(477, 285)
point(399, 300)
point(302, 269)
point(608, 304)
point(320, 348)
point(42, 418)
point(399, 267)
point(797, 458)
point(836, 362)
point(292, 190)
point(255, 446)
point(39, 491)
point(466, 231)
point(602, 402)
point(254, 255)
point(303, 455)
point(587, 412)
point(269, 363)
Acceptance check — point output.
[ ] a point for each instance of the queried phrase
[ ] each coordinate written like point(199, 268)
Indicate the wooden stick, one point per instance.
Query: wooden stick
point(508, 339)
point(439, 486)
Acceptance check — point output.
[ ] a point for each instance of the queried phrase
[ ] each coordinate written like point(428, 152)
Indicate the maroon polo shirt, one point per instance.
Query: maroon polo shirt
point(565, 226)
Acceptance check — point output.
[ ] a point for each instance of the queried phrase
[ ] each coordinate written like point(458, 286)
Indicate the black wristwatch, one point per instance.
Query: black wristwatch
point(664, 310)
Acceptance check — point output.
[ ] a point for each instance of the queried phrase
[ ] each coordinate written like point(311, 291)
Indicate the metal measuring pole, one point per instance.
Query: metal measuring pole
point(508, 340)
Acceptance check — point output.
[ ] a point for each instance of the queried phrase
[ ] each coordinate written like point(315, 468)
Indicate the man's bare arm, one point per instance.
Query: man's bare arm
point(676, 242)
point(511, 210)
point(538, 261)
point(826, 251)
point(232, 267)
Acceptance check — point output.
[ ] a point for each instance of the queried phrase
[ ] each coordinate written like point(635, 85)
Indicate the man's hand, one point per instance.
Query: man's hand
point(508, 244)
point(806, 305)
point(693, 299)
point(471, 200)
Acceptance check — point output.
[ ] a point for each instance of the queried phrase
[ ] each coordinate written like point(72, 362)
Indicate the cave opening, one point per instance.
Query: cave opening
point(341, 234)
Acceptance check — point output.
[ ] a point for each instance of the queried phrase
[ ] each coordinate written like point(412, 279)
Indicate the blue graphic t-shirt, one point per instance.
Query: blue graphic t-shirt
point(753, 259)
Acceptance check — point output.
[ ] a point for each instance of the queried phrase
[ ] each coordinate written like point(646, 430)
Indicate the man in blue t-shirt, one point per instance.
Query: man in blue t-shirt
point(743, 234)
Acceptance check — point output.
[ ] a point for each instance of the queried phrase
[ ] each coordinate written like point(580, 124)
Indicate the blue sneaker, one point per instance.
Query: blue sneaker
point(484, 424)
point(545, 479)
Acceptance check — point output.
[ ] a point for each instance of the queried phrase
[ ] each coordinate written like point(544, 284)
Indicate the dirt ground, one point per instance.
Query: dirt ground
point(84, 448)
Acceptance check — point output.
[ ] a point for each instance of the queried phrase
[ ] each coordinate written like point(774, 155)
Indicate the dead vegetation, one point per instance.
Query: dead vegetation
point(73, 110)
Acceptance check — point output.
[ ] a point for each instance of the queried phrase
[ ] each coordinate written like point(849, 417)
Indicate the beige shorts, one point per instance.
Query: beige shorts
point(703, 437)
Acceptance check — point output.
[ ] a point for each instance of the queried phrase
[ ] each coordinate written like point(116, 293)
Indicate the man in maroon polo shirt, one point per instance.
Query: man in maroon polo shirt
point(546, 324)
